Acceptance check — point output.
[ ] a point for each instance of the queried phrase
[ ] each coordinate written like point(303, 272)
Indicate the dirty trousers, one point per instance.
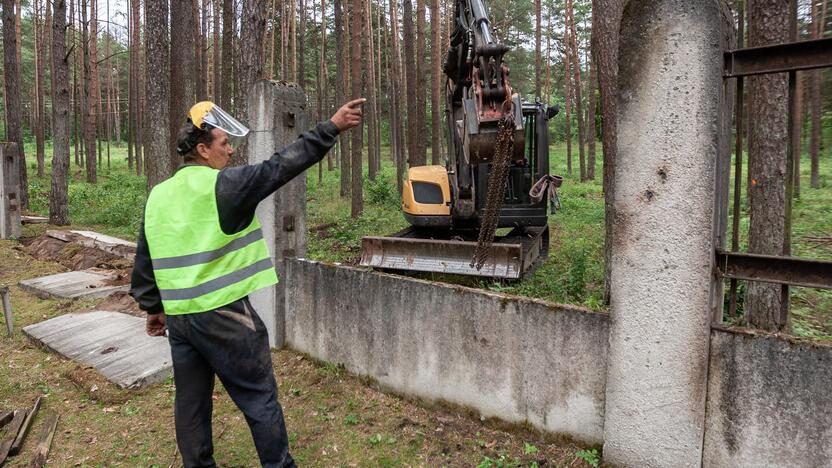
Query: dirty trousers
point(231, 343)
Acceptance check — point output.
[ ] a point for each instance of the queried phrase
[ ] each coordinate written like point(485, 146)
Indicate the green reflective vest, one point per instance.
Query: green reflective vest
point(197, 266)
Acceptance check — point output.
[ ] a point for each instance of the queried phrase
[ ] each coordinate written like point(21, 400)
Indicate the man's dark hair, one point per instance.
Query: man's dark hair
point(189, 137)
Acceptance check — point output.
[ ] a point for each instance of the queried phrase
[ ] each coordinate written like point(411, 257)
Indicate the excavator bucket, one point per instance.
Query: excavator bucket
point(410, 250)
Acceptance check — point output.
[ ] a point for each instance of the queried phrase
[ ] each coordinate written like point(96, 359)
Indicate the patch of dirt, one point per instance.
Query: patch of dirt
point(120, 301)
point(73, 255)
point(97, 388)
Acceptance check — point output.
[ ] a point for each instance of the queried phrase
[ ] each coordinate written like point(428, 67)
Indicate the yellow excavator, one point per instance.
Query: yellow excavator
point(498, 151)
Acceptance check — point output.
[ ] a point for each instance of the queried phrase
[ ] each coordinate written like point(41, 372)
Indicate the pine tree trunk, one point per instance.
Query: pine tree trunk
point(606, 21)
point(537, 45)
point(137, 89)
point(58, 198)
point(343, 56)
point(203, 42)
point(767, 142)
point(421, 89)
point(576, 71)
point(227, 81)
point(818, 20)
point(301, 57)
point(11, 70)
point(38, 56)
point(436, 90)
point(182, 70)
point(411, 88)
point(567, 93)
point(293, 39)
point(89, 112)
point(216, 53)
point(251, 64)
point(95, 81)
point(591, 130)
point(157, 131)
point(397, 112)
point(357, 65)
point(370, 107)
point(131, 86)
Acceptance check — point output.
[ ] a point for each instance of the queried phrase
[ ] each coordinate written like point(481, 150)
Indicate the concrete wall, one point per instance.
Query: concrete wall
point(516, 359)
point(769, 402)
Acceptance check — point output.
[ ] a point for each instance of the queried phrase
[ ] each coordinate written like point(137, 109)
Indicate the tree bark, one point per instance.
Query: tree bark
point(89, 114)
point(410, 87)
point(397, 113)
point(157, 131)
point(217, 76)
point(567, 92)
point(436, 110)
point(767, 143)
point(591, 130)
point(818, 20)
point(58, 198)
point(38, 57)
point(421, 89)
point(606, 21)
point(11, 71)
point(576, 71)
point(182, 70)
point(301, 45)
point(251, 64)
point(370, 107)
point(537, 46)
point(343, 57)
point(293, 39)
point(137, 88)
point(227, 81)
point(357, 65)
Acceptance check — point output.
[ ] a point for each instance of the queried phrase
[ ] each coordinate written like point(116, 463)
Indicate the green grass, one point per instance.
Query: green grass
point(573, 272)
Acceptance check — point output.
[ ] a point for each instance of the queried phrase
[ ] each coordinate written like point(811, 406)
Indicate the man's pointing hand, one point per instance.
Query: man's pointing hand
point(349, 115)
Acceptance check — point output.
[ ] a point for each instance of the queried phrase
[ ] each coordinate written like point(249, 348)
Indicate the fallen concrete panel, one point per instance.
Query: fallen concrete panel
point(72, 285)
point(519, 360)
point(769, 402)
point(113, 343)
point(34, 219)
point(113, 245)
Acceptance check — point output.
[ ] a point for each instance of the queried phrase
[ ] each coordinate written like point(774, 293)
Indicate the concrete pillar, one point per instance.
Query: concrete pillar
point(278, 117)
point(670, 87)
point(9, 191)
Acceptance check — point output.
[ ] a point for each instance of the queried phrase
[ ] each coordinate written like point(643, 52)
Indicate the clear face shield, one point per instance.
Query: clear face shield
point(218, 118)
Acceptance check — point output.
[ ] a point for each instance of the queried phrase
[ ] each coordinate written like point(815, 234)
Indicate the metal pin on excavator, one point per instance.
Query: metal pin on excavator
point(498, 147)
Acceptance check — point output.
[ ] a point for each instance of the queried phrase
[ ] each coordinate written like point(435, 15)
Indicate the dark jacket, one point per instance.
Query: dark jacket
point(239, 190)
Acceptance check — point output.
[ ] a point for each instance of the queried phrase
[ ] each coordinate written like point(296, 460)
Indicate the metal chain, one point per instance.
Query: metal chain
point(497, 180)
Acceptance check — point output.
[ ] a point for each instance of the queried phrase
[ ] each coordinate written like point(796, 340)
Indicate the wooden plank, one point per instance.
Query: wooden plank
point(5, 418)
point(41, 453)
point(115, 344)
point(24, 429)
point(7, 309)
point(14, 428)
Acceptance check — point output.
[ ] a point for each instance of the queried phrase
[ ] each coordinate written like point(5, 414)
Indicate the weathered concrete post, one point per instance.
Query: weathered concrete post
point(278, 117)
point(9, 191)
point(670, 87)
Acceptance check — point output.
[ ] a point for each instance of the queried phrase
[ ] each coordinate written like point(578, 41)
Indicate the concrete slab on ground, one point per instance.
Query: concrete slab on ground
point(34, 219)
point(115, 344)
point(85, 284)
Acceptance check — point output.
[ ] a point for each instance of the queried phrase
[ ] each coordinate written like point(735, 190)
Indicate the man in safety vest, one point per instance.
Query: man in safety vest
point(200, 254)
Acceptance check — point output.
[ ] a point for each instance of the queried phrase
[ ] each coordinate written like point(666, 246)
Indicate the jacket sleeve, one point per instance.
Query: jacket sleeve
point(143, 282)
point(240, 189)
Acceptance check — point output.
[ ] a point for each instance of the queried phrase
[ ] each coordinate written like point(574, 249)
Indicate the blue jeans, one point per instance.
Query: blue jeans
point(231, 343)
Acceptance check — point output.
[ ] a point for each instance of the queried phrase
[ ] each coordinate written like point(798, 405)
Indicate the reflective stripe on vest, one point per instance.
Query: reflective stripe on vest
point(197, 266)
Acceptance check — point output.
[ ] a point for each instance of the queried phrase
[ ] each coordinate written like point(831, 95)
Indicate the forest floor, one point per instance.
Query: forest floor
point(333, 418)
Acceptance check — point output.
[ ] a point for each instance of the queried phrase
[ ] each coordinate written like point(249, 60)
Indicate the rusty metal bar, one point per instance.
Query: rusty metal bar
point(772, 269)
point(793, 56)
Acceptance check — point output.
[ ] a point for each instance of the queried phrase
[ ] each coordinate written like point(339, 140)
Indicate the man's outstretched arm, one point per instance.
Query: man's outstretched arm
point(240, 189)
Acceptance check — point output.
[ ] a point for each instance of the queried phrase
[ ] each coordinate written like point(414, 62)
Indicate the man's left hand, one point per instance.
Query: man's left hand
point(156, 325)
